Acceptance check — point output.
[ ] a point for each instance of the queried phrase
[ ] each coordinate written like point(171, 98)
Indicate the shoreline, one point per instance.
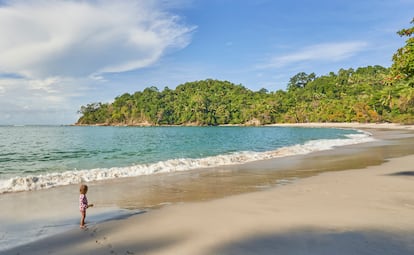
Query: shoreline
point(199, 182)
point(354, 125)
point(385, 125)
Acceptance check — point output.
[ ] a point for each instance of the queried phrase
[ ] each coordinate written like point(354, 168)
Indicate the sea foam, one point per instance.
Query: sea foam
point(32, 182)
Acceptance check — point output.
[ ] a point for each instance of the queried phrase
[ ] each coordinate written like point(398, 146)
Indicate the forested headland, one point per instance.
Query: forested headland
point(367, 94)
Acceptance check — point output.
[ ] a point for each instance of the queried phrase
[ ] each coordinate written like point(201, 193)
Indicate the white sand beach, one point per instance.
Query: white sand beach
point(356, 125)
point(360, 211)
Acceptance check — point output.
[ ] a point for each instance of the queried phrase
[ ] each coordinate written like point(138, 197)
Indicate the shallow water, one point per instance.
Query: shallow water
point(39, 157)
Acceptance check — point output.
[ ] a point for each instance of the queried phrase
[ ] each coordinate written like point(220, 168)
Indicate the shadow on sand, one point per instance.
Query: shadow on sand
point(405, 173)
point(311, 242)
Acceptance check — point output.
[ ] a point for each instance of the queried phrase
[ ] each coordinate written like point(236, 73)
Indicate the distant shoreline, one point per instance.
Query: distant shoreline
point(310, 124)
point(347, 125)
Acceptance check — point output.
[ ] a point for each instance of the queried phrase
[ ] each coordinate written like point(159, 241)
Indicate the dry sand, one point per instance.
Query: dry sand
point(363, 211)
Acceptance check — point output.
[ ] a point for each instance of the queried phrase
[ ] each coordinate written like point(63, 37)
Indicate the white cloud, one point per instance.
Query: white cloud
point(43, 38)
point(54, 53)
point(40, 101)
point(330, 52)
point(35, 94)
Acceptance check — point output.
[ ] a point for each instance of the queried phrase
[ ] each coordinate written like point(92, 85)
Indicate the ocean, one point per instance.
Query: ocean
point(42, 157)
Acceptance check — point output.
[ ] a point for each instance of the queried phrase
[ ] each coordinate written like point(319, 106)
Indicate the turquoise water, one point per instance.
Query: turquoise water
point(36, 157)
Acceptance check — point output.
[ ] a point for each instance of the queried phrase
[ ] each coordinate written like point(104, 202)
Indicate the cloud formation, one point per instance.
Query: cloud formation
point(53, 53)
point(42, 39)
point(318, 52)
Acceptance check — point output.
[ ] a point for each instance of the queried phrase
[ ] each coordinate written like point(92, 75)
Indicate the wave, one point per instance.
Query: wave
point(32, 182)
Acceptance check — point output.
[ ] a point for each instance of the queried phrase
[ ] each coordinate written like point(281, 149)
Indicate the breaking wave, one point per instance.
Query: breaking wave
point(36, 182)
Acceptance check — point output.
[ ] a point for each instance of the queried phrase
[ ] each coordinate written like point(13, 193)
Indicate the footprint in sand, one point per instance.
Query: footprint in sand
point(93, 232)
point(103, 242)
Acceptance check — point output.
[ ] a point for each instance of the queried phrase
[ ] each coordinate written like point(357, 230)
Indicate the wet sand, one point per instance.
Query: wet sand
point(245, 209)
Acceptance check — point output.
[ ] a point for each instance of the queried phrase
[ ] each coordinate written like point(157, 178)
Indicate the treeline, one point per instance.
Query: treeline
point(367, 94)
point(360, 95)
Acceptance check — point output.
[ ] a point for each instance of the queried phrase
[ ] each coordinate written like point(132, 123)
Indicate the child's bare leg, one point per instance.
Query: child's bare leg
point(83, 216)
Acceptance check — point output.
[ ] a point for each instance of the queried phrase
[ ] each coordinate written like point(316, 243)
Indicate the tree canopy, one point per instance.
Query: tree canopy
point(403, 60)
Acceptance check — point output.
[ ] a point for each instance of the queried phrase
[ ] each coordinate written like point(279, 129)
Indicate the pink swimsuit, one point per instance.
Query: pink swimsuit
point(83, 203)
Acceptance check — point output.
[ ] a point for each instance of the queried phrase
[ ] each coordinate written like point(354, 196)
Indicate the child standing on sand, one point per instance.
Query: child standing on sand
point(83, 204)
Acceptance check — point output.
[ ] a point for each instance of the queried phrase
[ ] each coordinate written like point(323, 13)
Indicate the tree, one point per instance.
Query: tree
point(403, 60)
point(300, 80)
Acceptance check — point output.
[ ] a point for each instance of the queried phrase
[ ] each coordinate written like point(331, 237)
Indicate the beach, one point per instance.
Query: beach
point(355, 199)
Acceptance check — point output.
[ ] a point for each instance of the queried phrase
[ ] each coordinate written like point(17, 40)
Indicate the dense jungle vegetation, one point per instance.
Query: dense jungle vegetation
point(367, 94)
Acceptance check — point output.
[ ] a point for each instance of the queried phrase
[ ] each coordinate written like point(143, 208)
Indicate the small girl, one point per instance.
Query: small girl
point(83, 204)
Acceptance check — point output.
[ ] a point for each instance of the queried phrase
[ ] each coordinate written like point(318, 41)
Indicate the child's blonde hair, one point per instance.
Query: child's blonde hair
point(83, 189)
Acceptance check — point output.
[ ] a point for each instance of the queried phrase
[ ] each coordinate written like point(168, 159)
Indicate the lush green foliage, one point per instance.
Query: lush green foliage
point(350, 95)
point(368, 94)
point(403, 59)
point(208, 102)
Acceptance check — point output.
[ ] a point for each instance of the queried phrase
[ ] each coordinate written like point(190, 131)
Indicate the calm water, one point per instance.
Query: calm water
point(37, 157)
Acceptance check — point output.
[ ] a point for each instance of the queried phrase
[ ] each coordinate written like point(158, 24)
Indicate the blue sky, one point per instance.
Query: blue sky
point(58, 55)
